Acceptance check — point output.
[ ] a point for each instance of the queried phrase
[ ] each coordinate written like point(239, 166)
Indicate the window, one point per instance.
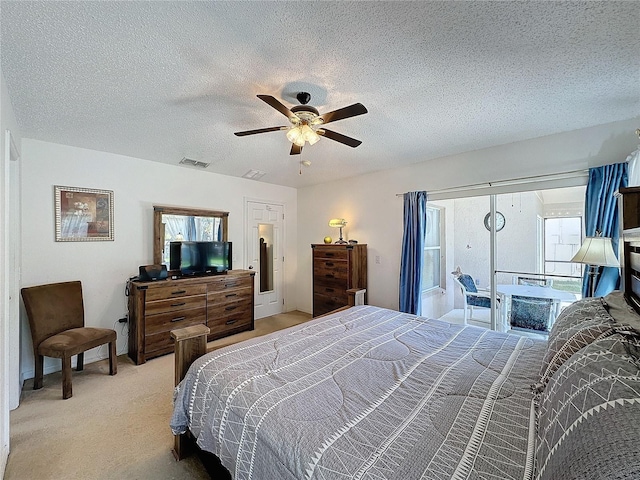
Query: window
point(562, 237)
point(431, 271)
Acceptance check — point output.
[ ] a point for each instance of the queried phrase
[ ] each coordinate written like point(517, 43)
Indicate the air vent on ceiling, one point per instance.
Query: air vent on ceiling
point(193, 163)
point(254, 175)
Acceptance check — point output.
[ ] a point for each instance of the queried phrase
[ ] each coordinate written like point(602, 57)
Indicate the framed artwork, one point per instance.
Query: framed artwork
point(83, 214)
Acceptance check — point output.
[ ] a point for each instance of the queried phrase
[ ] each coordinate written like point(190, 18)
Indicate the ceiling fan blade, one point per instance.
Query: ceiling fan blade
point(346, 112)
point(275, 103)
point(295, 149)
point(338, 137)
point(260, 130)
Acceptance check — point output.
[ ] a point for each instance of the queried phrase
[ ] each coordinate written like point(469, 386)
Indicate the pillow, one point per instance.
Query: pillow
point(578, 325)
point(588, 415)
point(621, 311)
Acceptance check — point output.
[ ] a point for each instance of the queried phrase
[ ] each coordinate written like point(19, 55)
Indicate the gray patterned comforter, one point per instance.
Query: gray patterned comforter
point(366, 393)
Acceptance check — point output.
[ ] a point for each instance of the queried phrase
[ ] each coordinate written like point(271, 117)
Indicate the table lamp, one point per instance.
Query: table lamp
point(338, 223)
point(596, 252)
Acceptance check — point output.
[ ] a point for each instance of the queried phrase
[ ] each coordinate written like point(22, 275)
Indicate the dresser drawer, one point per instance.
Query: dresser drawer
point(239, 305)
point(231, 295)
point(164, 322)
point(174, 304)
point(323, 304)
point(330, 253)
point(338, 293)
point(229, 282)
point(173, 291)
point(238, 319)
point(331, 269)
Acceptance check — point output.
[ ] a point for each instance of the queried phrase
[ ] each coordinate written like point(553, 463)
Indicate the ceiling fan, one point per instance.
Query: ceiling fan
point(307, 123)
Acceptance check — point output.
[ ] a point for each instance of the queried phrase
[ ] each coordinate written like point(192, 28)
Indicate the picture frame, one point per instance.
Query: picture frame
point(83, 214)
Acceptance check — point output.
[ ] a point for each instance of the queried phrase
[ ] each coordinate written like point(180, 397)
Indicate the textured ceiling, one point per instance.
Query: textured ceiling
point(167, 80)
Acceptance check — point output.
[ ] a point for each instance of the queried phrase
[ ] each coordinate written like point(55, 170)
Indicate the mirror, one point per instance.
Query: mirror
point(265, 234)
point(189, 224)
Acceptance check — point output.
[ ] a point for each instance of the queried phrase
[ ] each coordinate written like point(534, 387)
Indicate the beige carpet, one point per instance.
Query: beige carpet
point(113, 427)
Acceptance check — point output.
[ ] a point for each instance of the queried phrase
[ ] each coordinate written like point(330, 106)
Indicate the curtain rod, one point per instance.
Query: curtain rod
point(500, 183)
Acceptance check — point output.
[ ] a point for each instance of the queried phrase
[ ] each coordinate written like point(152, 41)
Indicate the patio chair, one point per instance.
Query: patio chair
point(472, 297)
point(531, 314)
point(536, 281)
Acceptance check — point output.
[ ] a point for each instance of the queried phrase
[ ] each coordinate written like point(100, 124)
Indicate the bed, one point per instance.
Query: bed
point(371, 393)
point(374, 393)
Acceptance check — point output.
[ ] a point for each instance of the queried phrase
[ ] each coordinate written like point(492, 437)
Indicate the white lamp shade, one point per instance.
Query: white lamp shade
point(337, 222)
point(596, 251)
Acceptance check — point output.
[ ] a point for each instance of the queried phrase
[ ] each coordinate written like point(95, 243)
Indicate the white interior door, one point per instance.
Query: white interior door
point(265, 255)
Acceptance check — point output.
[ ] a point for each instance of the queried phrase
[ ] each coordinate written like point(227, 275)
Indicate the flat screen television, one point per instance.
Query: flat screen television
point(200, 258)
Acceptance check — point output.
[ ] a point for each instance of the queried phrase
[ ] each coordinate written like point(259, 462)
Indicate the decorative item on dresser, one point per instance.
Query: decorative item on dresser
point(224, 303)
point(338, 223)
point(336, 269)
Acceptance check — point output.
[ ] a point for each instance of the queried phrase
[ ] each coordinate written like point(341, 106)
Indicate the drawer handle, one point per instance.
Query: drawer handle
point(329, 254)
point(231, 307)
point(227, 285)
point(329, 275)
point(178, 304)
point(329, 264)
point(329, 290)
point(178, 292)
point(231, 295)
point(178, 319)
point(230, 322)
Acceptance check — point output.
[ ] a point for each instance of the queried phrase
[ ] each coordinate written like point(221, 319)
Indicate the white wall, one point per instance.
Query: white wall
point(9, 326)
point(374, 212)
point(104, 267)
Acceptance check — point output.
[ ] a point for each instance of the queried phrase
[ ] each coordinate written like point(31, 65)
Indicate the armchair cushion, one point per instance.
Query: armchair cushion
point(467, 282)
point(480, 300)
point(74, 341)
point(531, 313)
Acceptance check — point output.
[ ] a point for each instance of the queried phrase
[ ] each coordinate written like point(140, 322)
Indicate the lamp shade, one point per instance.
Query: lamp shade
point(337, 222)
point(596, 251)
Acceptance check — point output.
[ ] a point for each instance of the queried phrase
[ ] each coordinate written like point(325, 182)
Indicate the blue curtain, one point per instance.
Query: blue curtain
point(415, 221)
point(601, 214)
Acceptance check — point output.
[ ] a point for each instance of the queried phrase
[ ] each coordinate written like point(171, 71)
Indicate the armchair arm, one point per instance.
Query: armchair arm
point(482, 294)
point(479, 293)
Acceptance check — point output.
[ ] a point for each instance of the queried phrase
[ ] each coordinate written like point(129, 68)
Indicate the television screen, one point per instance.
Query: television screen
point(193, 258)
point(216, 256)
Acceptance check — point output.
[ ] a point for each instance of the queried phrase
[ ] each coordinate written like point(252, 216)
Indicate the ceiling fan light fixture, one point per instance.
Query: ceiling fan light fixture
point(310, 135)
point(296, 136)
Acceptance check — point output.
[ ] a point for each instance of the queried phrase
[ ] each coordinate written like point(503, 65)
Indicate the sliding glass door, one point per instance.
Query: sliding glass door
point(536, 235)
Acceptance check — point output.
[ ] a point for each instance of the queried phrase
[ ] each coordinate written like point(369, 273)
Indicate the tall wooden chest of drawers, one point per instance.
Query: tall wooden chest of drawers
point(336, 269)
point(224, 303)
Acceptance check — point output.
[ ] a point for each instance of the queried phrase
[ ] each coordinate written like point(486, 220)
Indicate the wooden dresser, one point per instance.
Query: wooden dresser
point(224, 303)
point(336, 269)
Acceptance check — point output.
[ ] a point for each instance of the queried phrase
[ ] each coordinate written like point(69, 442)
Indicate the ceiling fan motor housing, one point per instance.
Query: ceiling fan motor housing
point(303, 97)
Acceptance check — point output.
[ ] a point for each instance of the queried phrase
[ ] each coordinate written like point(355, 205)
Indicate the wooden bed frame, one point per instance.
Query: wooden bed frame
point(629, 205)
point(190, 344)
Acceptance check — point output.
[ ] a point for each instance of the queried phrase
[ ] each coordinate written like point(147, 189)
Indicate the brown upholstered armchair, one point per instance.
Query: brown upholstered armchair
point(56, 318)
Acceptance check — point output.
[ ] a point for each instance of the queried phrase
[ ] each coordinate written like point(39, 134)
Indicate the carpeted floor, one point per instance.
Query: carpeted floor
point(113, 427)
